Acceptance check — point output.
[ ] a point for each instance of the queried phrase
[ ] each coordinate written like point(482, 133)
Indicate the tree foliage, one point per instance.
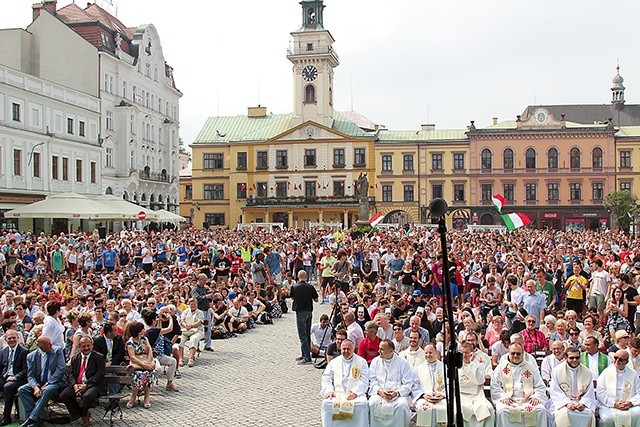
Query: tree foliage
point(622, 205)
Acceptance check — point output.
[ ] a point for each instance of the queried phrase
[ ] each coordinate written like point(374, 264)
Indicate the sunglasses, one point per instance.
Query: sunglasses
point(620, 359)
point(573, 357)
point(514, 353)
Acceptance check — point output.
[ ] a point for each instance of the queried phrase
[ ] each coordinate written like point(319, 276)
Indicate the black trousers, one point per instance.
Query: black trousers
point(10, 389)
point(88, 400)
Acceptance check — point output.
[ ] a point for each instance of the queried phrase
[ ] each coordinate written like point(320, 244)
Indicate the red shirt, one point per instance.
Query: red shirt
point(535, 341)
point(369, 349)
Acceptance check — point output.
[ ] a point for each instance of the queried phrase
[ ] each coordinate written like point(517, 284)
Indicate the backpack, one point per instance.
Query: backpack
point(264, 319)
point(283, 306)
point(276, 310)
point(218, 332)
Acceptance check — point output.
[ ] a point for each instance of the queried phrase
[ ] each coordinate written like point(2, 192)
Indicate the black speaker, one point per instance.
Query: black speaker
point(205, 225)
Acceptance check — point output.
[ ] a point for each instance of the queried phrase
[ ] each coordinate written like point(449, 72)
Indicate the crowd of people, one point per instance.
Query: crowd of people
point(526, 304)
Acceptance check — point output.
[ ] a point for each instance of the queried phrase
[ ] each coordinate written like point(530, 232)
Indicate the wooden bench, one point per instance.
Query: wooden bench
point(121, 376)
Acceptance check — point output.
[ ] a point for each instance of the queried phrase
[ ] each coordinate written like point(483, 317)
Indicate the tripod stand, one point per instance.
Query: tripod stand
point(334, 311)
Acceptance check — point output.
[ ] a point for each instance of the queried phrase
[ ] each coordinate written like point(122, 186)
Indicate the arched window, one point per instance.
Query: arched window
point(530, 158)
point(310, 94)
point(125, 196)
point(552, 158)
point(486, 159)
point(507, 159)
point(596, 157)
point(574, 158)
point(109, 190)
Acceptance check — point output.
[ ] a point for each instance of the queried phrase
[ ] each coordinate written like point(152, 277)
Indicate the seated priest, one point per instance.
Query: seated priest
point(618, 393)
point(477, 411)
point(429, 390)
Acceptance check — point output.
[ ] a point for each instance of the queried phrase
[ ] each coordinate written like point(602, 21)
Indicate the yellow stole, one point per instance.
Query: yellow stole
point(427, 381)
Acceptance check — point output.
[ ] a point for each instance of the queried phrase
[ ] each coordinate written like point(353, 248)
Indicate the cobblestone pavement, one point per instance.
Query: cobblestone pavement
point(252, 380)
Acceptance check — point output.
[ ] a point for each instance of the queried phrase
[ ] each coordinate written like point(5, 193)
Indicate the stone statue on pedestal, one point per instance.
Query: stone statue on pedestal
point(362, 191)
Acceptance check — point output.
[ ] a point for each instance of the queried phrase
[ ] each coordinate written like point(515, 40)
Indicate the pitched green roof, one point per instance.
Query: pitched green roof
point(421, 135)
point(229, 129)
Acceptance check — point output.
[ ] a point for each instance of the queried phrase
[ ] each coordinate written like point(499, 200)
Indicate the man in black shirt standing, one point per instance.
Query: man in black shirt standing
point(303, 295)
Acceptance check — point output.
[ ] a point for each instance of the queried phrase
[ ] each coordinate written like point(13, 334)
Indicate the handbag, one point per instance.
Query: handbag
point(189, 332)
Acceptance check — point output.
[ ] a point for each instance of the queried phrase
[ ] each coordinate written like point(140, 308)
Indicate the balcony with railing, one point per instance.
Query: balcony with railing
point(147, 175)
point(306, 200)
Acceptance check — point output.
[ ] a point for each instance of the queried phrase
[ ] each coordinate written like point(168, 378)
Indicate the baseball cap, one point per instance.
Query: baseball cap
point(636, 265)
point(417, 293)
point(231, 295)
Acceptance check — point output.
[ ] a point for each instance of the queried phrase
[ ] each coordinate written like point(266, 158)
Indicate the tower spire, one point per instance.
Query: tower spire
point(617, 90)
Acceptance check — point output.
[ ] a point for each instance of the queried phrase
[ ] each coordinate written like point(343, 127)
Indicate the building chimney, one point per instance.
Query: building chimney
point(428, 127)
point(51, 6)
point(258, 111)
point(36, 10)
point(495, 121)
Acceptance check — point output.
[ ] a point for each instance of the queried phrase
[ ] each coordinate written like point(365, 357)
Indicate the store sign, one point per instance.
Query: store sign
point(551, 215)
point(590, 215)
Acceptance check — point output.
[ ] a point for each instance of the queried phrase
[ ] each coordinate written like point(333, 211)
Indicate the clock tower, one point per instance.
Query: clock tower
point(314, 59)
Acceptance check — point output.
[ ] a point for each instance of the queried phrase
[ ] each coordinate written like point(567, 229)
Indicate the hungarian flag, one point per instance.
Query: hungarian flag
point(515, 220)
point(374, 220)
point(499, 201)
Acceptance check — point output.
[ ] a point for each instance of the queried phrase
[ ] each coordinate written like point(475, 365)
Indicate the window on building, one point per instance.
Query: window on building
point(124, 90)
point(575, 191)
point(17, 162)
point(507, 159)
point(436, 191)
point(70, 125)
point(597, 191)
point(261, 189)
point(436, 161)
point(241, 190)
point(338, 157)
point(281, 188)
point(408, 193)
point(65, 169)
point(188, 192)
point(574, 158)
point(213, 191)
point(310, 188)
point(486, 160)
point(508, 192)
point(310, 157)
point(241, 160)
point(309, 94)
point(552, 158)
point(15, 112)
point(214, 219)
point(108, 157)
point(309, 46)
point(407, 163)
point(625, 186)
point(93, 172)
point(81, 128)
point(596, 158)
point(36, 165)
point(625, 159)
point(387, 163)
point(78, 170)
point(338, 188)
point(530, 159)
point(35, 117)
point(486, 192)
point(387, 193)
point(262, 160)
point(553, 191)
point(359, 157)
point(531, 192)
point(54, 167)
point(458, 161)
point(458, 193)
point(281, 159)
point(213, 161)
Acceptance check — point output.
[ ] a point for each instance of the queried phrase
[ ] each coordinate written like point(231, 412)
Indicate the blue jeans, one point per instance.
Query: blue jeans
point(29, 408)
point(303, 322)
point(207, 328)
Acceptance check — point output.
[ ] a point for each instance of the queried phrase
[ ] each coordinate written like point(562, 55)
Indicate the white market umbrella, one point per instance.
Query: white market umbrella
point(69, 206)
point(128, 209)
point(166, 216)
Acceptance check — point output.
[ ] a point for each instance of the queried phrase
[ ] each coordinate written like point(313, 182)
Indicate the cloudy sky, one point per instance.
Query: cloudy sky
point(402, 62)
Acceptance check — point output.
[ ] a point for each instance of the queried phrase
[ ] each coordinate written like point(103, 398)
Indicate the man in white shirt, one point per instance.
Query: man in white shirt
point(391, 384)
point(600, 283)
point(345, 382)
point(618, 393)
point(385, 328)
point(573, 400)
point(320, 336)
point(518, 392)
point(551, 361)
point(414, 354)
point(354, 331)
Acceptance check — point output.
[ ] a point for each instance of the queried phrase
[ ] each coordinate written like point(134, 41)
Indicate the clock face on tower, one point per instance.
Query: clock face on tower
point(309, 73)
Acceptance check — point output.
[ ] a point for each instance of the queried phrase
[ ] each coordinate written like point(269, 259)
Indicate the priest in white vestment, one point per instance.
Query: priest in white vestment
point(551, 361)
point(414, 355)
point(345, 382)
point(429, 391)
point(518, 392)
point(477, 411)
point(618, 393)
point(391, 382)
point(572, 397)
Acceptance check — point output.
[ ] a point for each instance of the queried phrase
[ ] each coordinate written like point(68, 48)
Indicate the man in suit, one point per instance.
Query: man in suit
point(110, 345)
point(86, 382)
point(13, 371)
point(46, 378)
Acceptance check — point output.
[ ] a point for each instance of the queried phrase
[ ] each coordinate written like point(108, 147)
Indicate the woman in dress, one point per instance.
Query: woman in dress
point(616, 313)
point(85, 320)
point(590, 331)
point(141, 359)
point(192, 329)
point(561, 333)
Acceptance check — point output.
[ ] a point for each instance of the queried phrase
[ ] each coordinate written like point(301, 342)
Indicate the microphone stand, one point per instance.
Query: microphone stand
point(452, 357)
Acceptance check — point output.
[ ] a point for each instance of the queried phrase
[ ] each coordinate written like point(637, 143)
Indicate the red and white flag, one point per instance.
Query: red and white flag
point(377, 218)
